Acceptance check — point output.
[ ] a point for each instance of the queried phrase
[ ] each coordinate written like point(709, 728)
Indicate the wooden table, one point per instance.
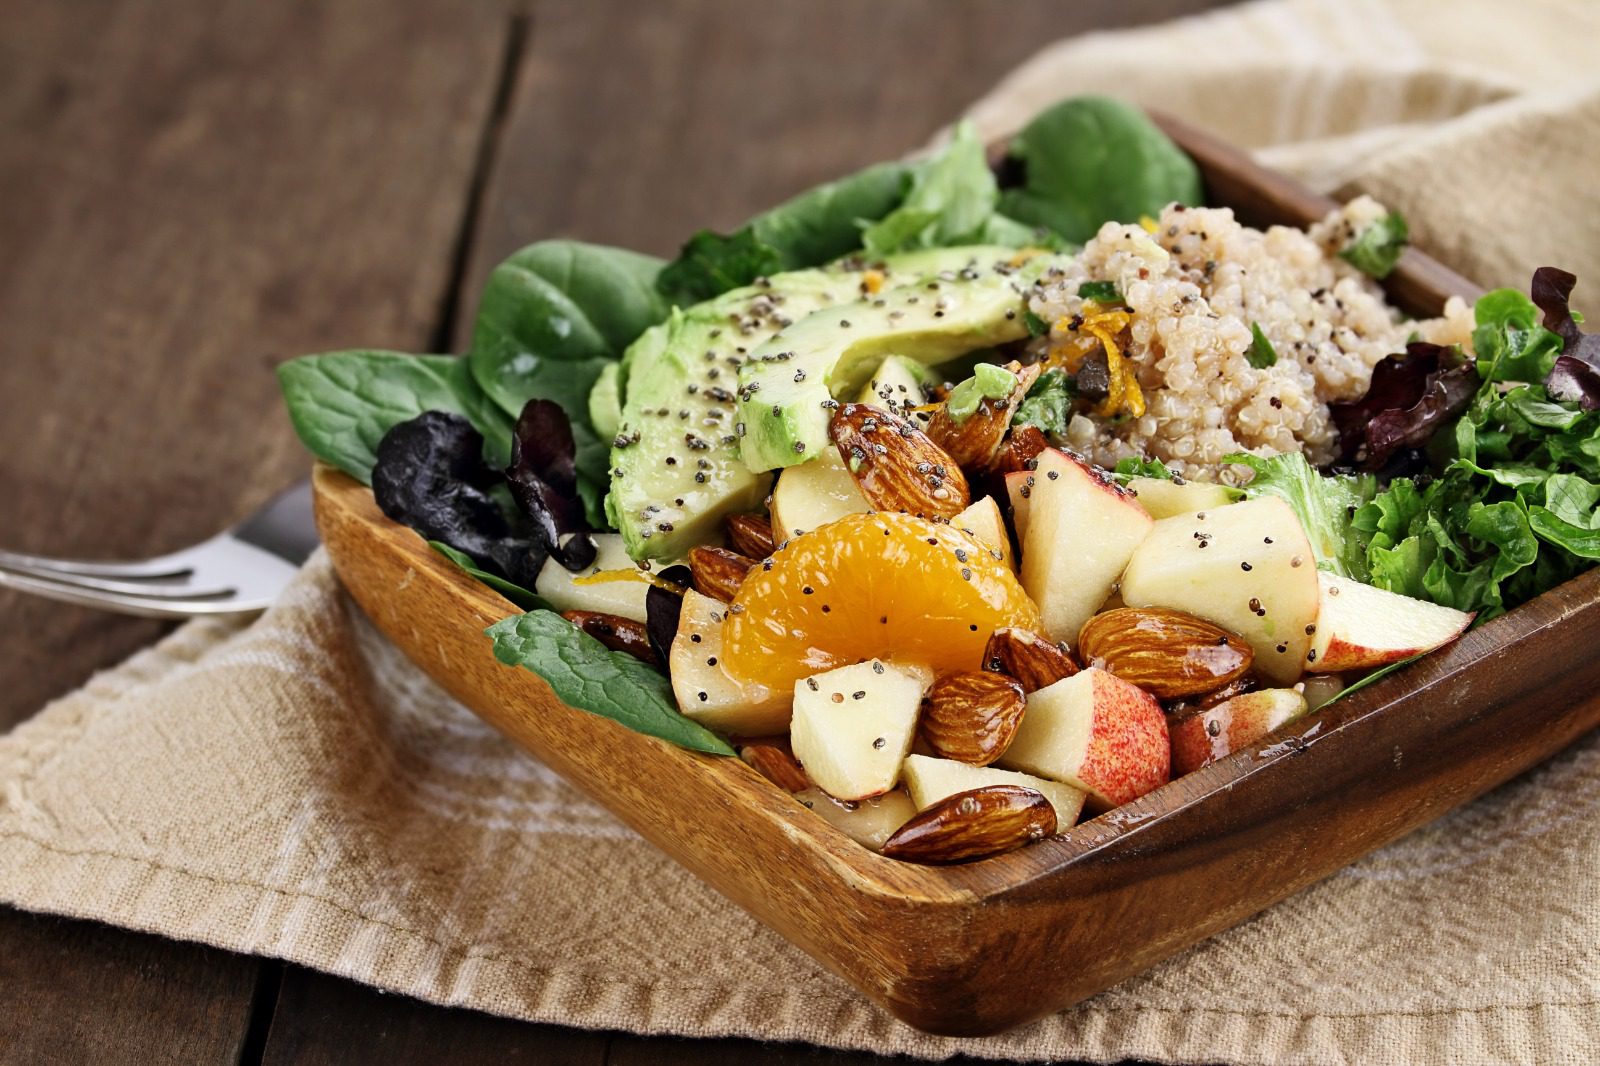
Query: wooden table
point(194, 190)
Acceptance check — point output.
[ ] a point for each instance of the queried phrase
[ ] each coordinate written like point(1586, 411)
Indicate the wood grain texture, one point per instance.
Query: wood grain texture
point(81, 992)
point(326, 1021)
point(191, 192)
point(1078, 912)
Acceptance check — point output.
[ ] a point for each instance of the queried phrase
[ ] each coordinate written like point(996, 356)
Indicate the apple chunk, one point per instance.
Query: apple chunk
point(814, 494)
point(1360, 627)
point(704, 690)
point(1081, 530)
point(1096, 732)
point(1247, 567)
point(853, 726)
point(930, 780)
point(982, 520)
point(1019, 491)
point(1206, 736)
point(868, 822)
point(612, 584)
point(1163, 498)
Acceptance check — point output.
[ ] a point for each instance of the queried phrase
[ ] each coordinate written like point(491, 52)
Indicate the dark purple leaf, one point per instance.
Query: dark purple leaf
point(1411, 395)
point(543, 479)
point(662, 608)
point(1576, 374)
point(430, 475)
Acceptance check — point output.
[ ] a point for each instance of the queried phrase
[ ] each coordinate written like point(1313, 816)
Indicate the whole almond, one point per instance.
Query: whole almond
point(1181, 709)
point(972, 717)
point(616, 633)
point(776, 765)
point(750, 535)
point(1167, 653)
point(974, 825)
point(718, 572)
point(895, 465)
point(1035, 661)
point(974, 442)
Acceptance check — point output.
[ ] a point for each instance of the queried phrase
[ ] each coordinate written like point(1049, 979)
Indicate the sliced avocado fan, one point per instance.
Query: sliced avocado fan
point(676, 468)
point(788, 385)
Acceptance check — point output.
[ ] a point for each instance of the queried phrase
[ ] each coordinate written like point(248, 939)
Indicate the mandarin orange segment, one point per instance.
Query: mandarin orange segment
point(876, 585)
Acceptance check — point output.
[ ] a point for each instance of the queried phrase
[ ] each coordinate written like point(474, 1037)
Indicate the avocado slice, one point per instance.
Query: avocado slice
point(899, 384)
point(787, 386)
point(676, 469)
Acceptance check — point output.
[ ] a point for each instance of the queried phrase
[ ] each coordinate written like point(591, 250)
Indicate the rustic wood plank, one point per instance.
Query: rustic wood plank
point(190, 192)
point(327, 1020)
point(84, 992)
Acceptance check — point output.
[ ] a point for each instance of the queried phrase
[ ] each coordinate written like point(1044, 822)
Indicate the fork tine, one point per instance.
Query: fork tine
point(149, 569)
point(128, 604)
point(153, 589)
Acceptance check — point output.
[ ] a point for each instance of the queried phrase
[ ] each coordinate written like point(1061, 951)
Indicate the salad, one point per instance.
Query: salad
point(963, 497)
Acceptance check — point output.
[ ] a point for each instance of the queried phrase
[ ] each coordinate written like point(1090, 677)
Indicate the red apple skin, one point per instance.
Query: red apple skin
point(1129, 752)
point(1203, 738)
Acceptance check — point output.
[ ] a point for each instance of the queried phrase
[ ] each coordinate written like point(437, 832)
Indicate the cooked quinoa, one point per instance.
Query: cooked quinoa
point(1194, 286)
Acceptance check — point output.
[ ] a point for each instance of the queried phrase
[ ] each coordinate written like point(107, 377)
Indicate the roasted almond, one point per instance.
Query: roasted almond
point(1035, 661)
point(1181, 709)
point(776, 765)
point(974, 442)
point(972, 717)
point(895, 465)
point(750, 535)
point(1167, 653)
point(616, 633)
point(718, 572)
point(1022, 448)
point(974, 825)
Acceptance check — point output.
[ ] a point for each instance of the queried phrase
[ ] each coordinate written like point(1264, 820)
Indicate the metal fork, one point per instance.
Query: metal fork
point(242, 569)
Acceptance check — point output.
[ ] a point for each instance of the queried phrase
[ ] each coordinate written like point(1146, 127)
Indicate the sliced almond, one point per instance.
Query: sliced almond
point(750, 535)
point(718, 572)
point(616, 633)
point(1169, 654)
point(1034, 660)
point(895, 464)
point(975, 441)
point(776, 765)
point(972, 717)
point(974, 825)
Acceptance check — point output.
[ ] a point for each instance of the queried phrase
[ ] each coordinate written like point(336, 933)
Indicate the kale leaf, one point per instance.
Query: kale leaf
point(584, 674)
point(1048, 404)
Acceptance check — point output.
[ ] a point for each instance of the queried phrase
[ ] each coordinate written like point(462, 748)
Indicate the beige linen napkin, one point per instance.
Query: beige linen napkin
point(294, 788)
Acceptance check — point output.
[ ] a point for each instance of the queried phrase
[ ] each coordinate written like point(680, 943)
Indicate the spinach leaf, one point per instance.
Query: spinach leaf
point(1509, 342)
point(552, 318)
point(1261, 354)
point(819, 225)
point(509, 589)
point(1324, 505)
point(584, 674)
point(1090, 160)
point(342, 403)
point(1377, 248)
point(951, 198)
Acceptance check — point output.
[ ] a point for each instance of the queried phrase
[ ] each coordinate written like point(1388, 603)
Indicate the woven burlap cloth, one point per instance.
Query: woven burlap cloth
point(294, 788)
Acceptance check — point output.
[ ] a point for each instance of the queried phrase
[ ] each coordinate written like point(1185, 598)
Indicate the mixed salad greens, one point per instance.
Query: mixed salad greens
point(1469, 481)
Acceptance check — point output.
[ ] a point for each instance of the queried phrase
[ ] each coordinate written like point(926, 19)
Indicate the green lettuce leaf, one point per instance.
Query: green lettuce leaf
point(1324, 505)
point(1048, 404)
point(951, 198)
point(1510, 343)
point(585, 674)
point(1137, 466)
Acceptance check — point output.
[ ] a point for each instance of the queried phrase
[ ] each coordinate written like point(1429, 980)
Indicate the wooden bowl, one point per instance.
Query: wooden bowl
point(941, 947)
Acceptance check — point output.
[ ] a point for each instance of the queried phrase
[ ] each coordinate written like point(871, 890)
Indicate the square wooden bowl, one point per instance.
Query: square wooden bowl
point(1112, 896)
